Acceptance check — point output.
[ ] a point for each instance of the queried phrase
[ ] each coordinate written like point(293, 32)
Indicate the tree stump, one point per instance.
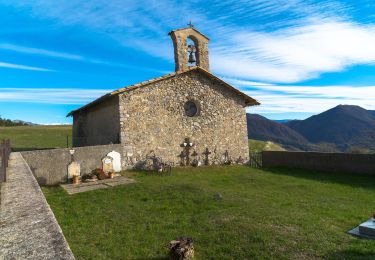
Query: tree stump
point(181, 249)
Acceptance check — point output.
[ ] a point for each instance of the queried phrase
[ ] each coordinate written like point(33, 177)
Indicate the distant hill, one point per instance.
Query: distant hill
point(282, 120)
point(261, 128)
point(8, 122)
point(343, 128)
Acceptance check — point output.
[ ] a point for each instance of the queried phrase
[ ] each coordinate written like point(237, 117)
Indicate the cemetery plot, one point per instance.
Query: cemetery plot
point(230, 212)
point(100, 184)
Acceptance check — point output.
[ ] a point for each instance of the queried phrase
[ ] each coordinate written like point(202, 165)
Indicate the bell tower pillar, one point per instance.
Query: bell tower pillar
point(187, 55)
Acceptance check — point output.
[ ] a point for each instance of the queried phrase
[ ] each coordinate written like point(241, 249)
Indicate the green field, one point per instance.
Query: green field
point(256, 146)
point(288, 214)
point(47, 137)
point(37, 137)
point(263, 214)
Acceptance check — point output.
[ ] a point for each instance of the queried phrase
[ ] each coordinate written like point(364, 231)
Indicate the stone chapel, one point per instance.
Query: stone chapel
point(162, 116)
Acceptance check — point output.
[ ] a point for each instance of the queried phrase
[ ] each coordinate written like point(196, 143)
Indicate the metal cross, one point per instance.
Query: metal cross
point(187, 145)
point(190, 24)
point(182, 158)
point(226, 156)
point(206, 153)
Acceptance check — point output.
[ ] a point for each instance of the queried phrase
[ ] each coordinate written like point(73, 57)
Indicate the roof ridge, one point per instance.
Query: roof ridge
point(249, 100)
point(192, 28)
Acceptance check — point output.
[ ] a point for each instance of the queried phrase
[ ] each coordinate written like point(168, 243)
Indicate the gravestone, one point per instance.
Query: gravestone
point(74, 169)
point(367, 228)
point(116, 160)
point(107, 164)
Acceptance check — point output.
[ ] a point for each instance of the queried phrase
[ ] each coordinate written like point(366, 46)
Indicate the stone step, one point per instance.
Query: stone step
point(96, 185)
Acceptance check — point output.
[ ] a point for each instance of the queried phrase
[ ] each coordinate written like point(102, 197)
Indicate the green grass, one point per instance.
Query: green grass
point(25, 138)
point(264, 214)
point(36, 137)
point(256, 146)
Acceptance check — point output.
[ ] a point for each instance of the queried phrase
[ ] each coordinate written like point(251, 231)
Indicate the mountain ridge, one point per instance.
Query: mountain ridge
point(342, 128)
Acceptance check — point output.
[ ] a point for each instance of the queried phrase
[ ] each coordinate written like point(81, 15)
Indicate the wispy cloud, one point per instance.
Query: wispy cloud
point(69, 56)
point(21, 67)
point(296, 54)
point(275, 41)
point(304, 99)
point(38, 51)
point(51, 95)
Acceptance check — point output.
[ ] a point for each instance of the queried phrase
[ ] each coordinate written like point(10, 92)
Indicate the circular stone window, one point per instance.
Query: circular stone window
point(191, 108)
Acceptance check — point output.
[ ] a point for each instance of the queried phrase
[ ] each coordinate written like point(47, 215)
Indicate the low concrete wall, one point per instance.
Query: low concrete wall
point(29, 229)
point(331, 162)
point(50, 167)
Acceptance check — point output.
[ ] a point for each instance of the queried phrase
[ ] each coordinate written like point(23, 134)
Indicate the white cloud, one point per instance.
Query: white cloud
point(51, 95)
point(304, 99)
point(29, 50)
point(21, 67)
point(275, 41)
point(63, 55)
point(295, 54)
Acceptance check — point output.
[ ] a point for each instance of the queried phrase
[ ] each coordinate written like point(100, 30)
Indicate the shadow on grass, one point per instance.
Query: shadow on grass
point(351, 179)
point(350, 254)
point(155, 258)
point(25, 149)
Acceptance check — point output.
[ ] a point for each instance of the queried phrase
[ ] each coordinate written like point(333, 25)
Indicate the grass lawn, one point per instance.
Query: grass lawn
point(290, 214)
point(36, 137)
point(25, 138)
point(256, 146)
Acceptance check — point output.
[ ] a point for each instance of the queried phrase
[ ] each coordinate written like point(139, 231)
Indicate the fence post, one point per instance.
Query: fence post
point(3, 167)
point(4, 153)
point(255, 160)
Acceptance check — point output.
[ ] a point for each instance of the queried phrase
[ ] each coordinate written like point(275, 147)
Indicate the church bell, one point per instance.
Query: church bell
point(191, 57)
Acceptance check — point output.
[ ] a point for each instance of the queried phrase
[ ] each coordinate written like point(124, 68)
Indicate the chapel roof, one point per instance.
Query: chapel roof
point(249, 101)
point(192, 28)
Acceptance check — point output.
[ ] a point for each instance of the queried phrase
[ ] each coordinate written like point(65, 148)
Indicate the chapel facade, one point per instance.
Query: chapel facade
point(160, 117)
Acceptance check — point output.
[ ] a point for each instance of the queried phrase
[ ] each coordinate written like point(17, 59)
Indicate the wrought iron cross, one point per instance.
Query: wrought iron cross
point(206, 153)
point(187, 144)
point(226, 156)
point(190, 24)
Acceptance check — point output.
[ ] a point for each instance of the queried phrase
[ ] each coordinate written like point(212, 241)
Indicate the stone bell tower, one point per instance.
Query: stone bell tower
point(187, 55)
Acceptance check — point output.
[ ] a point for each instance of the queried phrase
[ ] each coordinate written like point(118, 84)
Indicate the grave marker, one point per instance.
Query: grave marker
point(116, 160)
point(107, 164)
point(74, 169)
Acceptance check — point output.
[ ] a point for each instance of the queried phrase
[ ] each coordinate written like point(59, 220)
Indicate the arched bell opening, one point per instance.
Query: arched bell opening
point(192, 51)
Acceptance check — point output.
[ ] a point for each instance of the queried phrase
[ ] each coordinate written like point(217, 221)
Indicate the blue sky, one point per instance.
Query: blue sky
point(297, 57)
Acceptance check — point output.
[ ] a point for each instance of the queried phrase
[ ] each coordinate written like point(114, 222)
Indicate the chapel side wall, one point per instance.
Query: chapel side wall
point(98, 125)
point(153, 119)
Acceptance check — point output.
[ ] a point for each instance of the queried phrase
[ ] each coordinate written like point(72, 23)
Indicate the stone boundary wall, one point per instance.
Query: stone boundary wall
point(330, 162)
point(28, 227)
point(50, 167)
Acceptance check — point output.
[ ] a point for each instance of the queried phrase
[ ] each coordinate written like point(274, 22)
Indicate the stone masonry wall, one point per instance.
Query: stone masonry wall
point(153, 119)
point(179, 38)
point(50, 167)
point(98, 125)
